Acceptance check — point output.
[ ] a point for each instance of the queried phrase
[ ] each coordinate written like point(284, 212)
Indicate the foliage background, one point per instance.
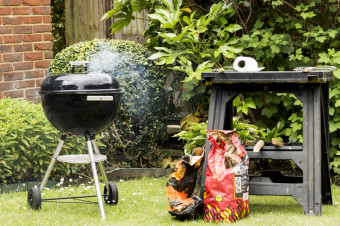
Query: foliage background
point(280, 35)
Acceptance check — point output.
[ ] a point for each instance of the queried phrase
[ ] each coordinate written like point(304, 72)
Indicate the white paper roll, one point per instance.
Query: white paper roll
point(246, 64)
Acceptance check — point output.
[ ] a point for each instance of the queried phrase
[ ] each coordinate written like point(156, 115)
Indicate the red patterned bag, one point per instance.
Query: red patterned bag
point(227, 180)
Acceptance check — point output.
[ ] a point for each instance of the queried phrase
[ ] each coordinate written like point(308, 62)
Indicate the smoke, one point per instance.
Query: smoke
point(132, 77)
point(106, 61)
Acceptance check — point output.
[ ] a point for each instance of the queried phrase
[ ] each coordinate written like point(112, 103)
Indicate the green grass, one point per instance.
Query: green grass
point(144, 202)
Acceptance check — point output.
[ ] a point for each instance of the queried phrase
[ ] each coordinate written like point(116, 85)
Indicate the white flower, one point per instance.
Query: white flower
point(71, 189)
point(120, 180)
point(123, 199)
point(62, 179)
point(80, 177)
point(70, 180)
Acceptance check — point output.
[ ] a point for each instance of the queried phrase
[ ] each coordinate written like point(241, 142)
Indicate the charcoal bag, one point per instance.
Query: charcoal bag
point(180, 188)
point(227, 180)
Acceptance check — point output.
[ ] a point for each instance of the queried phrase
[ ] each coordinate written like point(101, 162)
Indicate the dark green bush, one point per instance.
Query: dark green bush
point(141, 123)
point(27, 142)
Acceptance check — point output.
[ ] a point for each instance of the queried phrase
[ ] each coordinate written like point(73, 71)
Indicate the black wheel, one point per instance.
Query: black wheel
point(34, 198)
point(112, 197)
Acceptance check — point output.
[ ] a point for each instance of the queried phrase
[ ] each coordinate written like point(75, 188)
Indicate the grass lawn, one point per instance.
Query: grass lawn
point(144, 202)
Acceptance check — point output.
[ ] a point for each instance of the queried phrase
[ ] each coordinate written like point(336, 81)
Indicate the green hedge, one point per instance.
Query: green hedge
point(141, 124)
point(27, 143)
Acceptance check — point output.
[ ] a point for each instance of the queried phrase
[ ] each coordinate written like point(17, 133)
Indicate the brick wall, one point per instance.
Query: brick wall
point(25, 47)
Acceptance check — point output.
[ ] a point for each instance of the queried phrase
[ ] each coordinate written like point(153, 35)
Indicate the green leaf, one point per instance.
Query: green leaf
point(269, 111)
point(334, 92)
point(232, 28)
point(337, 103)
point(258, 24)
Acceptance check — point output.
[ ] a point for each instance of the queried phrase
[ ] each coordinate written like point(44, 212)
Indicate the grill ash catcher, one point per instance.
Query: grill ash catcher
point(83, 104)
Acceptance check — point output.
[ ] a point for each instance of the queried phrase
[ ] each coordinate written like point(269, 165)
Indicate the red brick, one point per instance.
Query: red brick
point(6, 67)
point(22, 29)
point(41, 10)
point(5, 11)
point(32, 92)
point(32, 19)
point(22, 47)
point(12, 76)
point(22, 11)
point(46, 2)
point(15, 20)
point(42, 28)
point(24, 84)
point(47, 19)
point(32, 38)
point(43, 46)
point(5, 48)
point(12, 38)
point(1, 96)
point(38, 82)
point(23, 66)
point(42, 64)
point(48, 54)
point(6, 29)
point(48, 37)
point(34, 74)
point(11, 2)
point(14, 57)
point(33, 56)
point(6, 86)
point(31, 2)
point(14, 93)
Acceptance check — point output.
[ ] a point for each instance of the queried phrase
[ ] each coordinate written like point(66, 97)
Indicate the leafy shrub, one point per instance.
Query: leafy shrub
point(141, 123)
point(196, 133)
point(27, 142)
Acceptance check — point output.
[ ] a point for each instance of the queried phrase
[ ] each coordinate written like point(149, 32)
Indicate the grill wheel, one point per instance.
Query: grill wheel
point(112, 197)
point(34, 198)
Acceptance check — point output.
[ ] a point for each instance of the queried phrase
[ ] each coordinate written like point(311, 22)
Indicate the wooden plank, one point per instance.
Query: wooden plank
point(83, 22)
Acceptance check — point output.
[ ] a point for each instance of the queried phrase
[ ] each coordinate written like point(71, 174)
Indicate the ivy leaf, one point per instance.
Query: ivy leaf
point(321, 39)
point(334, 126)
point(258, 24)
point(298, 26)
point(269, 111)
point(337, 103)
point(333, 93)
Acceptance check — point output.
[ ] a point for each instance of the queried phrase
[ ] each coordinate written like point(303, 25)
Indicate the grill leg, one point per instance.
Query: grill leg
point(53, 160)
point(101, 166)
point(95, 176)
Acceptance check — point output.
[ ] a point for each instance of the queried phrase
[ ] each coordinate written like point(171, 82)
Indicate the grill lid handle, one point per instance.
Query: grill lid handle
point(79, 63)
point(99, 98)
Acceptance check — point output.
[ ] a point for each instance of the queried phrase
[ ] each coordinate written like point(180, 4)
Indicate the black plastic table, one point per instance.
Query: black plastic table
point(313, 188)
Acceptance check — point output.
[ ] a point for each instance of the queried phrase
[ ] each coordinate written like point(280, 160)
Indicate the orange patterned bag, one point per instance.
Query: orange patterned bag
point(227, 180)
point(180, 188)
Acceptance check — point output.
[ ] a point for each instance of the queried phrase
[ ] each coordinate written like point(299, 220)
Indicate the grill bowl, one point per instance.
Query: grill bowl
point(81, 103)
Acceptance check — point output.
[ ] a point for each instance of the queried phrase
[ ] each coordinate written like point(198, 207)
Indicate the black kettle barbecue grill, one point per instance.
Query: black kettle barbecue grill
point(83, 104)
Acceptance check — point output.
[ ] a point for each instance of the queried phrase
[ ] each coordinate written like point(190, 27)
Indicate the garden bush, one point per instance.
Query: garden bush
point(27, 143)
point(141, 123)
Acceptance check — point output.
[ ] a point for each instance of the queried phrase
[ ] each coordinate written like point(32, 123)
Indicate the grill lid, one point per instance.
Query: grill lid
point(82, 83)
